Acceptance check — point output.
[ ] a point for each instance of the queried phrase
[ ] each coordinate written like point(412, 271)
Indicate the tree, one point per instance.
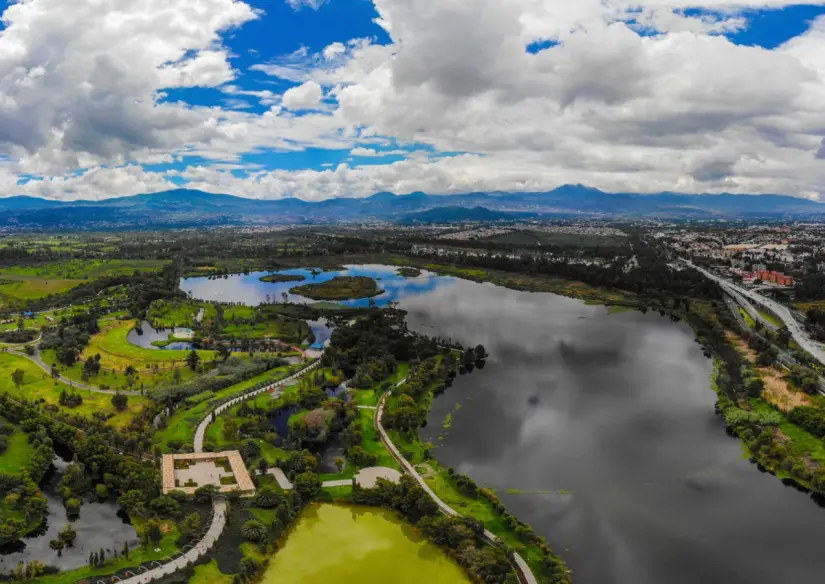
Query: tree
point(254, 530)
point(268, 498)
point(191, 525)
point(17, 378)
point(339, 463)
point(308, 485)
point(120, 401)
point(67, 535)
point(57, 545)
point(192, 359)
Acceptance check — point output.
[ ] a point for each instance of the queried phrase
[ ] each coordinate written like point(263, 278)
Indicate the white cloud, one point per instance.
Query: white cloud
point(678, 107)
point(306, 96)
point(80, 81)
point(313, 4)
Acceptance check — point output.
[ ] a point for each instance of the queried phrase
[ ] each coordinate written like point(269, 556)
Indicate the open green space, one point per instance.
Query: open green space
point(802, 443)
point(210, 574)
point(17, 454)
point(364, 545)
point(37, 384)
point(770, 317)
point(118, 353)
point(340, 288)
point(178, 313)
point(86, 269)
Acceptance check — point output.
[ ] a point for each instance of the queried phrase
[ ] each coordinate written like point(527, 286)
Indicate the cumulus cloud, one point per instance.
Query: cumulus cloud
point(305, 96)
point(630, 95)
point(80, 81)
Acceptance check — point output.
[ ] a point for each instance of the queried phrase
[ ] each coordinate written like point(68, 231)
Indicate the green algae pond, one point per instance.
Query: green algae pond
point(334, 543)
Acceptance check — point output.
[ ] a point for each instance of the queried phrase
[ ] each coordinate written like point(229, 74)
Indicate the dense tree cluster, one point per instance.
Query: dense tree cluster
point(70, 336)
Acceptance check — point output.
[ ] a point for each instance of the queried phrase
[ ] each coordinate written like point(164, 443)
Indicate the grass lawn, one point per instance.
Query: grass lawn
point(182, 424)
point(118, 353)
point(370, 396)
point(747, 318)
point(770, 317)
point(180, 313)
point(802, 443)
point(18, 453)
point(85, 269)
point(483, 510)
point(32, 288)
point(147, 375)
point(37, 384)
point(372, 443)
point(210, 574)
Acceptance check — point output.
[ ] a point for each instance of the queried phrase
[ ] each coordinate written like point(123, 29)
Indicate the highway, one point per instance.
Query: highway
point(796, 330)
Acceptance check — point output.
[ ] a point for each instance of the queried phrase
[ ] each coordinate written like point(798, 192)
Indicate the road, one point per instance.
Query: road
point(524, 572)
point(796, 330)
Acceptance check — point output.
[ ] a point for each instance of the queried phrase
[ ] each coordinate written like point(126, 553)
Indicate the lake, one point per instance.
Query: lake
point(98, 526)
point(602, 426)
point(248, 288)
point(332, 543)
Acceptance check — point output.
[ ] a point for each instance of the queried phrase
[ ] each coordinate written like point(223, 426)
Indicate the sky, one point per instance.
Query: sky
point(345, 98)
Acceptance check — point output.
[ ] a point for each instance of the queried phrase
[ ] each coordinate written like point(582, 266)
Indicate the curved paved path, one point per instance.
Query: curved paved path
point(37, 360)
point(278, 385)
point(218, 505)
point(203, 546)
point(525, 574)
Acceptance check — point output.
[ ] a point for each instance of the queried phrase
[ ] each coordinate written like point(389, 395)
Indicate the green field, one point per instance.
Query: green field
point(37, 384)
point(118, 353)
point(210, 574)
point(770, 317)
point(85, 269)
point(178, 313)
point(17, 455)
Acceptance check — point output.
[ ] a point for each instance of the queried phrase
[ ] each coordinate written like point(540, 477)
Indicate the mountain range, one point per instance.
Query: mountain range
point(187, 208)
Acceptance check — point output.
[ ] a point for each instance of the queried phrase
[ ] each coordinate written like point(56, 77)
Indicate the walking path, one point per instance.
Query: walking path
point(278, 385)
point(366, 478)
point(218, 504)
point(203, 546)
point(38, 360)
point(525, 574)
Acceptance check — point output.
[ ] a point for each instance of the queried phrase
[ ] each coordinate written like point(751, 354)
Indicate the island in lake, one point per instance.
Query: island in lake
point(340, 288)
point(409, 272)
point(275, 278)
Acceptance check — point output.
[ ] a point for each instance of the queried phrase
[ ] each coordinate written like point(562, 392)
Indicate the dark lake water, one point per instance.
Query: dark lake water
point(605, 424)
point(611, 419)
point(99, 526)
point(248, 288)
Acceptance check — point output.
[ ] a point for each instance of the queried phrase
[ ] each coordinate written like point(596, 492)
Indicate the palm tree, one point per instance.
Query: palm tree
point(254, 530)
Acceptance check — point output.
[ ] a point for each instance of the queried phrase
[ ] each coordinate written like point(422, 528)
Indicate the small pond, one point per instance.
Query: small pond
point(248, 288)
point(148, 335)
point(368, 546)
point(100, 525)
